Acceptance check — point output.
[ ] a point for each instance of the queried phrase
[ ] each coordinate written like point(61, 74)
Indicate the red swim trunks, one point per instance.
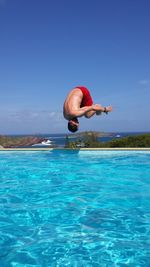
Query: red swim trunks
point(87, 99)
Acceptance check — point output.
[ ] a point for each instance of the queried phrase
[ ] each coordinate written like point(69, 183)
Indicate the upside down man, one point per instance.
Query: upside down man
point(79, 103)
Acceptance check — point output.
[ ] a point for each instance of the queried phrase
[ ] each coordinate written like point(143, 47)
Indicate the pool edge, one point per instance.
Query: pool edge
point(80, 149)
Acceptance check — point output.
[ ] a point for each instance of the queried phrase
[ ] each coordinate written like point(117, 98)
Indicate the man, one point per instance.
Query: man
point(79, 103)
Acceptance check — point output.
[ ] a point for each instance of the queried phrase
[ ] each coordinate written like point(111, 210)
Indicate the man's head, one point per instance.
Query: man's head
point(73, 125)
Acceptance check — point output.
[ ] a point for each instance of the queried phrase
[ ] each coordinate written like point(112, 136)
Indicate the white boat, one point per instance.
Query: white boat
point(44, 143)
point(47, 142)
point(118, 135)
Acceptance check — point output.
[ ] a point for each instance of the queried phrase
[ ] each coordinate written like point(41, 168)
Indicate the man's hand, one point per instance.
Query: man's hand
point(108, 109)
point(99, 109)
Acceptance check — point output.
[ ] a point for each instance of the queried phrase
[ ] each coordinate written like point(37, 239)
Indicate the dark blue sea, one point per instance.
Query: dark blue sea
point(59, 140)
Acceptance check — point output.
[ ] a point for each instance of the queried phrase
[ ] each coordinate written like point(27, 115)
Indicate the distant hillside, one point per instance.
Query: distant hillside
point(89, 133)
point(10, 142)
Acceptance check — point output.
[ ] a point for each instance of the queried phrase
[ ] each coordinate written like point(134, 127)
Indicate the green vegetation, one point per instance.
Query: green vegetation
point(87, 139)
point(91, 141)
point(131, 141)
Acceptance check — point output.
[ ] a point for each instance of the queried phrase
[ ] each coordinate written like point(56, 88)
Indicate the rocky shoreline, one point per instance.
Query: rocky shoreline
point(14, 142)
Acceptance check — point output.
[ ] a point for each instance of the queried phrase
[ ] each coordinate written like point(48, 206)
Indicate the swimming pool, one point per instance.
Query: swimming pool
point(75, 208)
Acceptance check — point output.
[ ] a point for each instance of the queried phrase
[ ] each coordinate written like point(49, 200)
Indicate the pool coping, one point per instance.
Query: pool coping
point(80, 149)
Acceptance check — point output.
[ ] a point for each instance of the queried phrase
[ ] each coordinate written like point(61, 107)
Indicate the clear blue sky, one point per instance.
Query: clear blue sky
point(47, 47)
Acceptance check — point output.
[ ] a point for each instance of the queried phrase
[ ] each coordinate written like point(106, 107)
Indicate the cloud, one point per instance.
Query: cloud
point(28, 115)
point(144, 82)
point(29, 121)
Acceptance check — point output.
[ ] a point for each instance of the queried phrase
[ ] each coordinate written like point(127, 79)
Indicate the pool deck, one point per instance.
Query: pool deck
point(96, 149)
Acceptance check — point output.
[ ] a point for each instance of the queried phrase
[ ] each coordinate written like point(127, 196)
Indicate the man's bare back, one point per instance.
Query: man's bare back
point(72, 103)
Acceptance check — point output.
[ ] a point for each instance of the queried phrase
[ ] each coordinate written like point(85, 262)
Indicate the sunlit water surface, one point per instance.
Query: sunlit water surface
point(75, 209)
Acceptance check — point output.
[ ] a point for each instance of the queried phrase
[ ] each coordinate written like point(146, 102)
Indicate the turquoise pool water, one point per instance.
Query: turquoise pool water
point(75, 209)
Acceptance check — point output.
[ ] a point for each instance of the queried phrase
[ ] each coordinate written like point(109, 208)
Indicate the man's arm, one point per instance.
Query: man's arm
point(81, 111)
point(91, 113)
point(99, 109)
point(87, 111)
